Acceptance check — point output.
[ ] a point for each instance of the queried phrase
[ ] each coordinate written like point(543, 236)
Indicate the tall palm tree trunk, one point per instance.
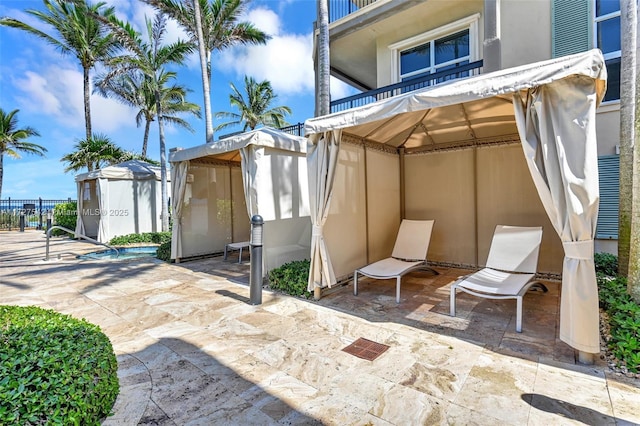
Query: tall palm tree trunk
point(323, 89)
point(87, 102)
point(145, 139)
point(164, 211)
point(205, 73)
point(627, 106)
point(631, 46)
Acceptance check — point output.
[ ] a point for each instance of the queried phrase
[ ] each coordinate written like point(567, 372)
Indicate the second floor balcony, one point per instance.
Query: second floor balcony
point(340, 8)
point(370, 96)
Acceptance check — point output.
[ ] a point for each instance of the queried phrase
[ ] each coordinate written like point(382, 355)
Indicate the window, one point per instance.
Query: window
point(606, 33)
point(436, 52)
point(434, 56)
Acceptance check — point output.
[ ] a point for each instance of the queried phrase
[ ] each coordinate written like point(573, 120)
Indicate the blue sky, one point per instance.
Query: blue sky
point(47, 88)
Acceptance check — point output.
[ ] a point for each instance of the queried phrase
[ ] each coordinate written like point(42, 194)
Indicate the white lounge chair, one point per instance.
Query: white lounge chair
point(409, 253)
point(511, 267)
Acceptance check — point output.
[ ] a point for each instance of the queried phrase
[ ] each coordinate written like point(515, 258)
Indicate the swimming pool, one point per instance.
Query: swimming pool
point(124, 253)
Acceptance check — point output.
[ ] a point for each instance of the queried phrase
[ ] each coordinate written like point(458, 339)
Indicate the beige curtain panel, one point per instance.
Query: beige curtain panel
point(179, 173)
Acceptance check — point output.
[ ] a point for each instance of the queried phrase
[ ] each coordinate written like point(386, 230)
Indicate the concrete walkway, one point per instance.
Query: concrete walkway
point(193, 351)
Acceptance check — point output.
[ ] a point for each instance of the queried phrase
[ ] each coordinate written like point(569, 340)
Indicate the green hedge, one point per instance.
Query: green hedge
point(164, 251)
point(623, 313)
point(291, 278)
point(65, 214)
point(624, 321)
point(145, 237)
point(606, 263)
point(54, 369)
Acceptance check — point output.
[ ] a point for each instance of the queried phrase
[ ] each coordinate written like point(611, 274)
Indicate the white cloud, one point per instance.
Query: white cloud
point(264, 19)
point(285, 61)
point(36, 92)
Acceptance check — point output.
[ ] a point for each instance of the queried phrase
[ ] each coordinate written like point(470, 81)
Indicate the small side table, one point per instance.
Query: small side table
point(236, 246)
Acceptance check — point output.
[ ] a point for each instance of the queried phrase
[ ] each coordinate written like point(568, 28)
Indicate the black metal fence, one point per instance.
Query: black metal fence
point(385, 92)
point(341, 8)
point(34, 212)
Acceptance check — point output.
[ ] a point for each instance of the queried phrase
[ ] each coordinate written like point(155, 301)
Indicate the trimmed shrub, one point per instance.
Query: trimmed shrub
point(606, 263)
point(292, 278)
point(624, 322)
point(145, 237)
point(164, 251)
point(54, 369)
point(65, 214)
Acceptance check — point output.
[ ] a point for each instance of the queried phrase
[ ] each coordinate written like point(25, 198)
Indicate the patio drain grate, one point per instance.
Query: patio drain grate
point(366, 349)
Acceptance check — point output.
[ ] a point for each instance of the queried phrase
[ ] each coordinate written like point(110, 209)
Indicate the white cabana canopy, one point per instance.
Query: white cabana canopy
point(273, 170)
point(117, 200)
point(134, 169)
point(549, 106)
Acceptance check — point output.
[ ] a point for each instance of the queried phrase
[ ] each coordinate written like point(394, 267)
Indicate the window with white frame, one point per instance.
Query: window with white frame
point(439, 50)
point(435, 55)
point(606, 33)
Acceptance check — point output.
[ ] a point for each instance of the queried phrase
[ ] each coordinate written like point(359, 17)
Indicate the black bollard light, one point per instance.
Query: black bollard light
point(255, 274)
point(21, 220)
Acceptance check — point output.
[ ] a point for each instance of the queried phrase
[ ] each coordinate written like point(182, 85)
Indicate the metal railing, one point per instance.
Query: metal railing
point(340, 8)
point(294, 129)
point(385, 92)
point(84, 237)
point(34, 210)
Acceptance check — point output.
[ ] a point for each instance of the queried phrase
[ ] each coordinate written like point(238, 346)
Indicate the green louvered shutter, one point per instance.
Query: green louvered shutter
point(570, 26)
point(609, 172)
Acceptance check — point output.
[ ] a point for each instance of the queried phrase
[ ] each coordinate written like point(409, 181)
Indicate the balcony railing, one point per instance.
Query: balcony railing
point(341, 8)
point(385, 92)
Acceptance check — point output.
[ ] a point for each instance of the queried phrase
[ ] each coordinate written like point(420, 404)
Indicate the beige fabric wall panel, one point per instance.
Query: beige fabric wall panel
point(279, 191)
point(507, 196)
point(345, 229)
point(285, 241)
point(440, 186)
point(241, 220)
point(383, 199)
point(206, 218)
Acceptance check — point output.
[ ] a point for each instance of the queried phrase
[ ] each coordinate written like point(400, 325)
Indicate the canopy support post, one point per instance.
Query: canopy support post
point(402, 191)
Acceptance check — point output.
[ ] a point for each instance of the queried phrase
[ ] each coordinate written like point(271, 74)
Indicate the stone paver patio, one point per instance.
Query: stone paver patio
point(193, 351)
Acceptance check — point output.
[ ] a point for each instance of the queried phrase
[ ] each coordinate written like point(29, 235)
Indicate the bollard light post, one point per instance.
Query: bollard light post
point(49, 219)
point(255, 274)
point(21, 220)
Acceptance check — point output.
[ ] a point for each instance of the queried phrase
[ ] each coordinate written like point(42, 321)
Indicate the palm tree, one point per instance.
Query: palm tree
point(149, 59)
point(255, 109)
point(220, 28)
point(323, 90)
point(136, 90)
point(93, 153)
point(77, 33)
point(629, 215)
point(12, 140)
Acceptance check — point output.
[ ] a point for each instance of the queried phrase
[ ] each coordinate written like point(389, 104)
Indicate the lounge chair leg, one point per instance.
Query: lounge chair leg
point(240, 256)
point(398, 279)
point(452, 302)
point(519, 314)
point(355, 283)
point(226, 246)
